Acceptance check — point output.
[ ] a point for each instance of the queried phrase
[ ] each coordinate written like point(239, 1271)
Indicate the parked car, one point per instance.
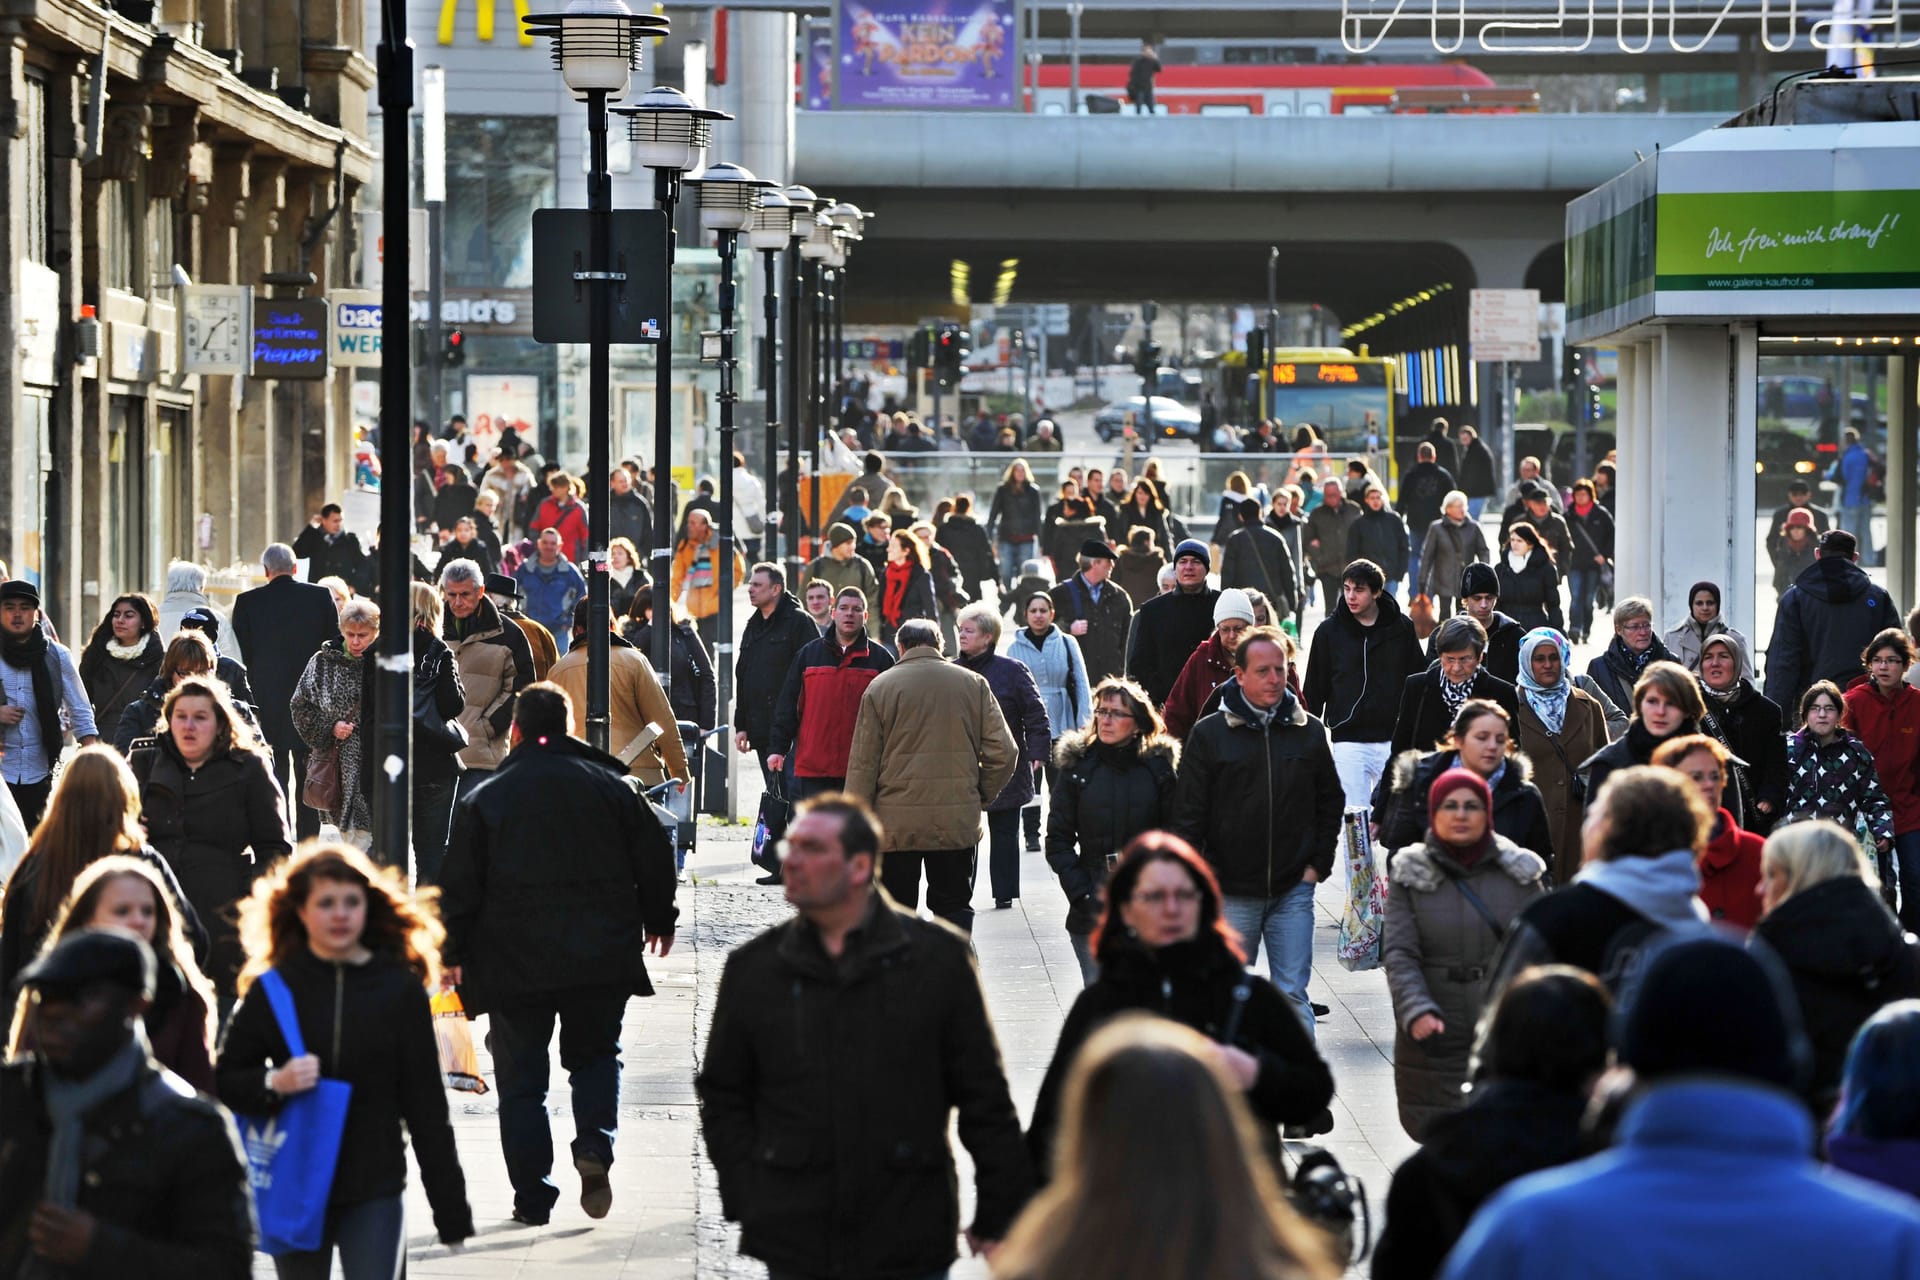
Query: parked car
point(1171, 419)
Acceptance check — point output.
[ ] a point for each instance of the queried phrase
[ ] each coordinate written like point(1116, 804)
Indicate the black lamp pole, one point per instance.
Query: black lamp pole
point(729, 243)
point(770, 376)
point(796, 310)
point(666, 191)
point(599, 424)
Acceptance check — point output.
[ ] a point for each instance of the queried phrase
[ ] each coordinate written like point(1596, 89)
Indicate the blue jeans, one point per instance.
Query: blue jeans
point(372, 1240)
point(1012, 554)
point(1858, 521)
point(1906, 859)
point(1475, 506)
point(1580, 587)
point(1285, 925)
point(1413, 572)
point(518, 1034)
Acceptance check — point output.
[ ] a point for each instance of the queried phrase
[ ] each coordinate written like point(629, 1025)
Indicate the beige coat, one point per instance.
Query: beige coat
point(486, 678)
point(930, 752)
point(1556, 762)
point(635, 700)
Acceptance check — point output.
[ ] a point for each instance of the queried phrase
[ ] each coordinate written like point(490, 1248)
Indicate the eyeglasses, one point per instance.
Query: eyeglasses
point(1108, 713)
point(1160, 897)
point(1463, 806)
point(1636, 626)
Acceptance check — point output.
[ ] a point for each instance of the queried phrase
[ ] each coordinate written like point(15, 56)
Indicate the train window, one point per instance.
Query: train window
point(1225, 109)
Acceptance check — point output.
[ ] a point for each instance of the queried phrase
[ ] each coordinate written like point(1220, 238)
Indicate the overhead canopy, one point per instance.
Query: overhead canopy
point(1792, 223)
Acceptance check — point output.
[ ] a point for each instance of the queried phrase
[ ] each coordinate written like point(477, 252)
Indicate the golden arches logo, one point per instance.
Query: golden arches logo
point(483, 20)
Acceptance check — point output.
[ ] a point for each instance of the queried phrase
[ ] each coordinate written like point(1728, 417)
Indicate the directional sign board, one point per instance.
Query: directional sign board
point(636, 249)
point(354, 338)
point(1504, 325)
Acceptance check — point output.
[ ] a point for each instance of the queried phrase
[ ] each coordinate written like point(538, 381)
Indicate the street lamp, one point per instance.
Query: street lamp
point(670, 137)
point(729, 196)
point(771, 230)
point(848, 221)
point(817, 249)
point(804, 204)
point(596, 46)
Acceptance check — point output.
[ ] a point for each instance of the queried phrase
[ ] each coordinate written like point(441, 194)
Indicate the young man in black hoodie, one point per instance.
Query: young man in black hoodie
point(1362, 656)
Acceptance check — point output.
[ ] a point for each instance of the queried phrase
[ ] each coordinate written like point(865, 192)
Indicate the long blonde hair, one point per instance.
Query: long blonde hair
point(401, 925)
point(1814, 852)
point(1191, 1194)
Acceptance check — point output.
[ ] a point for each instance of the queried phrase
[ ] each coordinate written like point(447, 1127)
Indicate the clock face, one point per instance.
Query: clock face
point(216, 328)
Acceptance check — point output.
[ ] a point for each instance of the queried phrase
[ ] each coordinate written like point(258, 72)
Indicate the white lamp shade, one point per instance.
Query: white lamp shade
point(597, 48)
point(729, 195)
point(668, 131)
point(772, 225)
point(818, 246)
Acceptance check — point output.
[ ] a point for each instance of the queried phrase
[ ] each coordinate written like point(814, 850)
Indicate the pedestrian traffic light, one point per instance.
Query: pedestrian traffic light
point(454, 353)
point(951, 346)
point(1256, 350)
point(1147, 362)
point(419, 351)
point(920, 348)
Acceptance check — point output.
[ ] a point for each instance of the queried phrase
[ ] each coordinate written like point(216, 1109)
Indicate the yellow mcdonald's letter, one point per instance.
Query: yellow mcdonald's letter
point(482, 21)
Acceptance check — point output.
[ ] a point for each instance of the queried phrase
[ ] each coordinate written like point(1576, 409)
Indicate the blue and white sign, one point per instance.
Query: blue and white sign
point(353, 338)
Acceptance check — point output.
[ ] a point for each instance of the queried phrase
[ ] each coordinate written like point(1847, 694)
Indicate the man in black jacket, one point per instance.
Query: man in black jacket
point(1257, 558)
point(331, 552)
point(1379, 535)
point(776, 631)
point(1825, 621)
point(1475, 472)
point(1259, 797)
point(558, 879)
point(842, 1043)
point(111, 1166)
point(279, 627)
point(1092, 608)
point(628, 515)
point(1422, 490)
point(1168, 628)
point(1362, 656)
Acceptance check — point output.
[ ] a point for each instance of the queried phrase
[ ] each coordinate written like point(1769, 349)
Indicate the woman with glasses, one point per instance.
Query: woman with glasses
point(1113, 779)
point(1831, 774)
point(1729, 865)
point(1633, 646)
point(1451, 899)
point(1885, 711)
point(1165, 949)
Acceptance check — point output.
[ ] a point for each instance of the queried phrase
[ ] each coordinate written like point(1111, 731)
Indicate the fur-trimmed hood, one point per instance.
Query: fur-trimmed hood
point(1423, 870)
point(1073, 748)
point(1406, 766)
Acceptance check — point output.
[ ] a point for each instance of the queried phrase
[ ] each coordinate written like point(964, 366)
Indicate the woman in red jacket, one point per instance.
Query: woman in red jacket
point(1211, 665)
point(1884, 713)
point(1730, 870)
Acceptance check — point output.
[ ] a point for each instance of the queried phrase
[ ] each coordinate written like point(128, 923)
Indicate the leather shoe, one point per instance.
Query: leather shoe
point(596, 1190)
point(775, 878)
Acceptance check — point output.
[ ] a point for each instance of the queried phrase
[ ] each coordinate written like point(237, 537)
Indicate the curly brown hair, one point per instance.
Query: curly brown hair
point(402, 925)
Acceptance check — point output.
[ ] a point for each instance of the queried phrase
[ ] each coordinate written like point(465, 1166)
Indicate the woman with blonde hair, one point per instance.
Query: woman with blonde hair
point(94, 813)
point(357, 954)
point(438, 735)
point(1847, 955)
point(212, 808)
point(129, 893)
point(1189, 1194)
point(1013, 520)
point(333, 712)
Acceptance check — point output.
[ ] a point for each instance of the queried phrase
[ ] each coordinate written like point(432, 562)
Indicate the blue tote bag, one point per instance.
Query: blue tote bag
point(291, 1154)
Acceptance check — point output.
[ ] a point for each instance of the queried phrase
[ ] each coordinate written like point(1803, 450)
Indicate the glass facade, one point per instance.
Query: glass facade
point(499, 170)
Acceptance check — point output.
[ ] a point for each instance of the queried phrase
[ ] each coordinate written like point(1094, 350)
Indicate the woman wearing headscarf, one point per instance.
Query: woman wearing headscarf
point(1686, 641)
point(1481, 740)
point(1559, 726)
point(1448, 908)
point(1752, 727)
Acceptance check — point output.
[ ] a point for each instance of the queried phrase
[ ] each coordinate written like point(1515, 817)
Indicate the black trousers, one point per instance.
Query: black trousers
point(950, 876)
point(305, 821)
point(432, 822)
point(31, 798)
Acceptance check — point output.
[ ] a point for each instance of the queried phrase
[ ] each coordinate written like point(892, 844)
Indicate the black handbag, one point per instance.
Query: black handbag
point(430, 729)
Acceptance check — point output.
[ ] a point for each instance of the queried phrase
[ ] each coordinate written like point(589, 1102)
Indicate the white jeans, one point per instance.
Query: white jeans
point(1360, 765)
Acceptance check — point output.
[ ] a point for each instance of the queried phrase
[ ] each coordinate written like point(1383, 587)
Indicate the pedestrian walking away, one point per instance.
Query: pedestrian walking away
point(278, 628)
point(1026, 720)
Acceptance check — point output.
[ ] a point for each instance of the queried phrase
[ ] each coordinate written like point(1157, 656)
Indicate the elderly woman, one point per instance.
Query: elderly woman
point(1751, 727)
point(1687, 641)
point(1821, 913)
point(1210, 665)
point(1451, 900)
point(1634, 645)
point(438, 736)
point(1432, 698)
point(1730, 863)
point(1449, 545)
point(1026, 716)
point(333, 713)
point(1559, 726)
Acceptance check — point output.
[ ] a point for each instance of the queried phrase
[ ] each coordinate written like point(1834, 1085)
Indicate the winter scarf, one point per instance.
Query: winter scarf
point(1664, 889)
point(68, 1102)
point(30, 651)
point(1455, 695)
point(1630, 664)
point(899, 576)
point(1642, 744)
point(1549, 702)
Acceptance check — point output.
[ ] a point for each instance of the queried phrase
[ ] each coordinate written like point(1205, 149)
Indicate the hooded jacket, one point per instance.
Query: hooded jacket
point(1356, 674)
point(1824, 623)
point(1421, 491)
point(1261, 802)
point(1607, 920)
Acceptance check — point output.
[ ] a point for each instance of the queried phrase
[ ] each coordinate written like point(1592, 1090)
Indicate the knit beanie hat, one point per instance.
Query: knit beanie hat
point(839, 534)
point(1233, 603)
point(1479, 579)
point(1195, 548)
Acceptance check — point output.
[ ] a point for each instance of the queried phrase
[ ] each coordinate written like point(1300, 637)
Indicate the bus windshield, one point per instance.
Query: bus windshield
point(1347, 398)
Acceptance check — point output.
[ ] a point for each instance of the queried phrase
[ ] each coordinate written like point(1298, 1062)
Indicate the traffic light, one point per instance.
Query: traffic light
point(920, 348)
point(950, 349)
point(1256, 350)
point(1147, 362)
point(454, 353)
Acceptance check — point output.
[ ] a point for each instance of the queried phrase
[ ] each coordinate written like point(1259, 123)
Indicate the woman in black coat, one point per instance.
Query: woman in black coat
point(1164, 949)
point(1751, 726)
point(690, 683)
point(361, 1005)
point(1144, 510)
point(978, 628)
point(1432, 698)
point(1481, 740)
point(1666, 704)
point(1013, 522)
point(121, 658)
point(1115, 780)
point(967, 543)
point(1529, 582)
point(213, 811)
point(438, 736)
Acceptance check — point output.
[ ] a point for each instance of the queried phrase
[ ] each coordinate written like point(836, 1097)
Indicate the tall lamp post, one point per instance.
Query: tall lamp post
point(804, 203)
point(815, 250)
point(596, 46)
point(433, 190)
point(770, 231)
point(670, 136)
point(729, 196)
point(848, 221)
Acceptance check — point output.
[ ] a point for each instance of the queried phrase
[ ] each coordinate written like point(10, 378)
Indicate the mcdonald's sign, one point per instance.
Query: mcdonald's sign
point(482, 20)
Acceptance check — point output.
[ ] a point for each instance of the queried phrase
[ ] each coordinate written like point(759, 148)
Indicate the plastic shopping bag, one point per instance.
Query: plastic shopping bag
point(291, 1154)
point(455, 1034)
point(1364, 917)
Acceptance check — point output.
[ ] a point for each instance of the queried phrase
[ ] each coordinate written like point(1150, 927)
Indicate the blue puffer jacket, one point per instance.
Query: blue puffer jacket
point(1026, 717)
point(550, 597)
point(1708, 1178)
point(1060, 672)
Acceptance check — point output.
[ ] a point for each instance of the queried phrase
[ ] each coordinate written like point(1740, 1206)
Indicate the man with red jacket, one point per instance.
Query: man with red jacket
point(563, 512)
point(814, 716)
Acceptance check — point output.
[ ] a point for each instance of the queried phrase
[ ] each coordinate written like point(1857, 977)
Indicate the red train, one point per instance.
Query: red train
point(1308, 89)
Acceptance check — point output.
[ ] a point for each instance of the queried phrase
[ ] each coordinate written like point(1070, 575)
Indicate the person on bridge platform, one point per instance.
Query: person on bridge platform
point(1146, 65)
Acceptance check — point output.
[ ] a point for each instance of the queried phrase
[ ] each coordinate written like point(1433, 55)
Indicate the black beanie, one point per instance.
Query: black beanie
point(1479, 579)
point(1708, 1007)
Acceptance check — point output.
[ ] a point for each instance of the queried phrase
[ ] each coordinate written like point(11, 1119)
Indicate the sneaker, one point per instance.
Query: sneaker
point(1319, 1010)
point(596, 1191)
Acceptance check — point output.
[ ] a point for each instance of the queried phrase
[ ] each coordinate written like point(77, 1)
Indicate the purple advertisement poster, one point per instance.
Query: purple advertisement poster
point(929, 55)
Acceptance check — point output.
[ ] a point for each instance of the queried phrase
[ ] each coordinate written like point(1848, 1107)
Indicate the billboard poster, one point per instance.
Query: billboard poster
point(817, 66)
point(952, 55)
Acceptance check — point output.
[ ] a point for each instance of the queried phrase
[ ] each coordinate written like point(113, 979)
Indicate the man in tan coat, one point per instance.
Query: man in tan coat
point(930, 752)
point(634, 700)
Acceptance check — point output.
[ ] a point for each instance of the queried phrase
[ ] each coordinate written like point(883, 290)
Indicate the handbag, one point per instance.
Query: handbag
point(291, 1154)
point(432, 729)
point(1420, 611)
point(768, 828)
point(322, 788)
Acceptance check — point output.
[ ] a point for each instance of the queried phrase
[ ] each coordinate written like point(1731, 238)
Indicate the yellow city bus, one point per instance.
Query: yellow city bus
point(1347, 397)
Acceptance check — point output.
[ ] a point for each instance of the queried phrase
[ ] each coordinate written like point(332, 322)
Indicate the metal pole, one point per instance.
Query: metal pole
point(796, 301)
point(664, 183)
point(599, 423)
point(1273, 323)
point(1073, 58)
point(817, 395)
point(436, 295)
point(723, 650)
point(392, 667)
point(770, 373)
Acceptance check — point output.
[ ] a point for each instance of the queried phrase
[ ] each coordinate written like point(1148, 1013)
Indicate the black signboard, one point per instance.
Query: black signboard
point(637, 249)
point(290, 338)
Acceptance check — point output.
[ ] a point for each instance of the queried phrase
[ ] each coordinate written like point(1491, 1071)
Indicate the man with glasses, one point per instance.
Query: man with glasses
point(852, 1011)
point(1259, 797)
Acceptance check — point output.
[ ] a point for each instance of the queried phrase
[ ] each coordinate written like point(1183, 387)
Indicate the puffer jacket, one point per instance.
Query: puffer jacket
point(1104, 797)
point(1356, 674)
point(1260, 804)
point(495, 665)
point(1519, 810)
point(1438, 949)
point(1207, 668)
point(930, 752)
point(1836, 781)
point(1026, 718)
point(1060, 673)
point(819, 702)
point(1448, 548)
point(1848, 957)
